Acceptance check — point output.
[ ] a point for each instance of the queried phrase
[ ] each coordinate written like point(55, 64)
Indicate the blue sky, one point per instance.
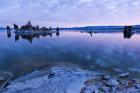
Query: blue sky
point(67, 13)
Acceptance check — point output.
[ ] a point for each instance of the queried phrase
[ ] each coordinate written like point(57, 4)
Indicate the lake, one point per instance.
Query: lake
point(103, 52)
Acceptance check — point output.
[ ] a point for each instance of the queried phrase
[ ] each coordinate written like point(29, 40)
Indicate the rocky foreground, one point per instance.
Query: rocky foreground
point(72, 80)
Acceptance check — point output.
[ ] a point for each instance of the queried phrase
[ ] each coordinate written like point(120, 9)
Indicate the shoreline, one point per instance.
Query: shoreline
point(72, 80)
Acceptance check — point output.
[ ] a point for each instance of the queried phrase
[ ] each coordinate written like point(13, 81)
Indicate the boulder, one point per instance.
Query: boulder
point(112, 83)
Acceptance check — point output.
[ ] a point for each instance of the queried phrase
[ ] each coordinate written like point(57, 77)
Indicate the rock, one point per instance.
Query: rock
point(51, 74)
point(65, 80)
point(113, 90)
point(92, 81)
point(137, 86)
point(3, 82)
point(90, 89)
point(5, 78)
point(131, 83)
point(105, 77)
point(30, 76)
point(105, 89)
point(124, 75)
point(1, 78)
point(129, 90)
point(118, 70)
point(112, 83)
point(70, 80)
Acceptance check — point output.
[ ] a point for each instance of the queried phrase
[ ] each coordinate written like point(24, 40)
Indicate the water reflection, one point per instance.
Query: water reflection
point(105, 52)
point(16, 37)
point(30, 32)
point(91, 32)
point(32, 35)
point(128, 32)
point(8, 32)
point(57, 33)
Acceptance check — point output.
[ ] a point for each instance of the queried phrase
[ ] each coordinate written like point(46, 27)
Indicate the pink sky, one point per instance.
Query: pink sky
point(68, 13)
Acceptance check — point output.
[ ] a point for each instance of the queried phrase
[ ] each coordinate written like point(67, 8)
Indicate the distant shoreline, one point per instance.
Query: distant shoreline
point(91, 27)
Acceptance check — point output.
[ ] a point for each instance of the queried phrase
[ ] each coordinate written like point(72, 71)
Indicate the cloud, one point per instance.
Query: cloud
point(70, 12)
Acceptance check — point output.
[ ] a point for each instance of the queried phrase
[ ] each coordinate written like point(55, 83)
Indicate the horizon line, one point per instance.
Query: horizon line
point(86, 26)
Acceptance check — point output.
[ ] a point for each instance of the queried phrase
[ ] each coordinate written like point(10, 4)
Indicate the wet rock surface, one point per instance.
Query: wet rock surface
point(5, 78)
point(124, 75)
point(113, 85)
point(72, 80)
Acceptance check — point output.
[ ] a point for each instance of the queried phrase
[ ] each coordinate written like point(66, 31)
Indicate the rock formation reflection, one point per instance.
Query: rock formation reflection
point(90, 32)
point(8, 31)
point(128, 31)
point(31, 36)
point(16, 37)
point(57, 32)
point(30, 32)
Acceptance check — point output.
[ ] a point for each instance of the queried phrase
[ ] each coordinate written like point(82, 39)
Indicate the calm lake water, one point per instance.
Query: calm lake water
point(103, 52)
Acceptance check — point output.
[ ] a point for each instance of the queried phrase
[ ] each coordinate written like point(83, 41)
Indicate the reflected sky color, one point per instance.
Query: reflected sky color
point(67, 13)
point(103, 52)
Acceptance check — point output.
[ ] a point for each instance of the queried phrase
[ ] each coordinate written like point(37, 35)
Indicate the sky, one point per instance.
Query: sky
point(70, 13)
